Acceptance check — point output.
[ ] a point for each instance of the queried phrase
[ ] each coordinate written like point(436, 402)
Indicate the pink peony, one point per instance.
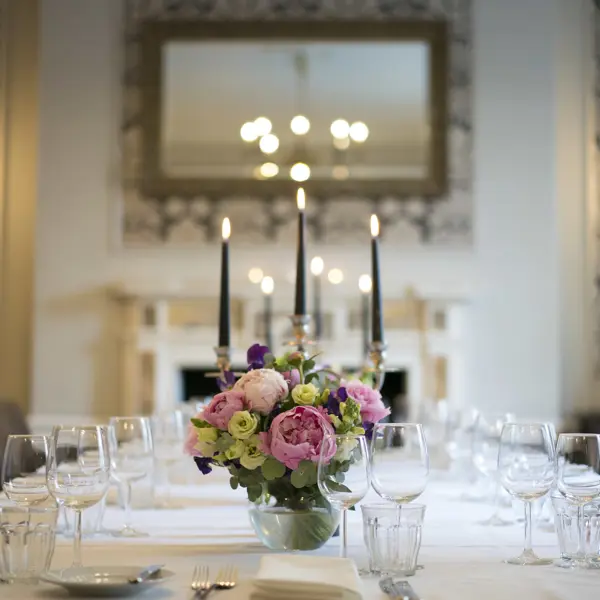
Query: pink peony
point(263, 389)
point(191, 440)
point(222, 407)
point(372, 408)
point(297, 435)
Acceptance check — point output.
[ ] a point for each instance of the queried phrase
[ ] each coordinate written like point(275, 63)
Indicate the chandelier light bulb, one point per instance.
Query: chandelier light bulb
point(341, 143)
point(300, 125)
point(365, 284)
point(340, 129)
point(300, 172)
point(359, 132)
point(267, 285)
point(269, 169)
point(263, 126)
point(269, 143)
point(255, 274)
point(335, 276)
point(249, 132)
point(316, 266)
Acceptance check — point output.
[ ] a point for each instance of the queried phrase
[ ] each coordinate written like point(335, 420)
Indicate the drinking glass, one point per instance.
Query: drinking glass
point(526, 470)
point(578, 480)
point(78, 471)
point(131, 454)
point(168, 435)
point(486, 446)
point(24, 469)
point(343, 475)
point(399, 461)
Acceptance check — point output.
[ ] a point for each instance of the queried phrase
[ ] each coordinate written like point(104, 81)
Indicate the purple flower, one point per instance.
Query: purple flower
point(256, 356)
point(368, 427)
point(204, 464)
point(333, 402)
point(227, 381)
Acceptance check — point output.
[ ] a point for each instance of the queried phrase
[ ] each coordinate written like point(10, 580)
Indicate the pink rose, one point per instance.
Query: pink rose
point(191, 440)
point(222, 407)
point(263, 389)
point(297, 435)
point(372, 408)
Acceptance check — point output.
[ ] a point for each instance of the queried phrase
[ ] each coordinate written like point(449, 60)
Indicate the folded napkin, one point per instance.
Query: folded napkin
point(306, 578)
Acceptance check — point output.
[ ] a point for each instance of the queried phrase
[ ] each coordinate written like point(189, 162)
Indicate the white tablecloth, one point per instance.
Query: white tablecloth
point(462, 560)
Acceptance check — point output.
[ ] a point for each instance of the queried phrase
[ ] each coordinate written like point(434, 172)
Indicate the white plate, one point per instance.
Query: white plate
point(104, 581)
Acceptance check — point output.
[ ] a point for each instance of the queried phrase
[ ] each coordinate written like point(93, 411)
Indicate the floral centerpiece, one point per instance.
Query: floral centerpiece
point(267, 428)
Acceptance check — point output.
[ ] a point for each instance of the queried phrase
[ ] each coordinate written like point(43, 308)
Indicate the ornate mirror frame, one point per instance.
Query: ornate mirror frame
point(155, 34)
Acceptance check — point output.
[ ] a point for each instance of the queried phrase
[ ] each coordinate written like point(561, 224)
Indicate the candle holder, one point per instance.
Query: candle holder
point(223, 362)
point(377, 354)
point(300, 327)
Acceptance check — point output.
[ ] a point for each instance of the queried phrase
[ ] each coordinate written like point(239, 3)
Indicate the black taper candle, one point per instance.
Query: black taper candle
point(317, 307)
point(300, 303)
point(269, 321)
point(364, 322)
point(224, 316)
point(376, 309)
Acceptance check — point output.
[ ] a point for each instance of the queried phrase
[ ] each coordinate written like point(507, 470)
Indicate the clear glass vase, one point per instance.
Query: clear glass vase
point(286, 529)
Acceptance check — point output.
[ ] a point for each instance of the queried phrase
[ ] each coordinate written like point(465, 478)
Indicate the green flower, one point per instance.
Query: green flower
point(252, 457)
point(304, 394)
point(242, 425)
point(207, 440)
point(235, 450)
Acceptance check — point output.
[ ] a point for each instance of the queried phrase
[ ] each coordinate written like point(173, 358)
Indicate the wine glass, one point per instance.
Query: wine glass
point(578, 480)
point(399, 461)
point(526, 470)
point(24, 469)
point(78, 471)
point(343, 475)
point(168, 434)
point(131, 454)
point(486, 446)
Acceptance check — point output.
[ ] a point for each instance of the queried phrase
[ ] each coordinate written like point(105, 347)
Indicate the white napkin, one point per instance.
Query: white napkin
point(296, 577)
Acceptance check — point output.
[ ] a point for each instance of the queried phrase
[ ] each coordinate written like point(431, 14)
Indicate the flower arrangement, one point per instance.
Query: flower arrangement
point(267, 427)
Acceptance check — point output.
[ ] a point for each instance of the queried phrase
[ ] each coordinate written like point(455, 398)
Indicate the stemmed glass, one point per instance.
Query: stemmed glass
point(131, 454)
point(78, 472)
point(526, 470)
point(578, 480)
point(24, 469)
point(168, 434)
point(343, 475)
point(486, 446)
point(399, 461)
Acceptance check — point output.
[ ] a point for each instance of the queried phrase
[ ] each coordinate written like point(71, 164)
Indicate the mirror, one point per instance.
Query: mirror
point(260, 108)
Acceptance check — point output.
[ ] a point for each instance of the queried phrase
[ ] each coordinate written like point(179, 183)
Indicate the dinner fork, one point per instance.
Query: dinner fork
point(226, 579)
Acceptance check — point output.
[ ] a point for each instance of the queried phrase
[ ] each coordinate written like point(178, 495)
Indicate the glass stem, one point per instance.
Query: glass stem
point(77, 540)
point(581, 528)
point(127, 503)
point(344, 534)
point(528, 544)
point(496, 499)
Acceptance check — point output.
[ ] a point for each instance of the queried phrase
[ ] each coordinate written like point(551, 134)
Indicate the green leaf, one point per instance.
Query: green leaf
point(295, 362)
point(309, 471)
point(225, 440)
point(254, 493)
point(200, 424)
point(272, 469)
point(234, 482)
point(309, 365)
point(298, 479)
point(337, 487)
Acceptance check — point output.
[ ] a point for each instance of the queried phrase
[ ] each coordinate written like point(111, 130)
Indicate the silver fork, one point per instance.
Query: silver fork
point(200, 580)
point(226, 579)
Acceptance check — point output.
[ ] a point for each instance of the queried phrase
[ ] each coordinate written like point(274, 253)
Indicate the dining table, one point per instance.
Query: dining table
point(461, 558)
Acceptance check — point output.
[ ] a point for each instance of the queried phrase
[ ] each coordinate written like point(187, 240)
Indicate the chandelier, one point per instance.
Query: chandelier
point(260, 131)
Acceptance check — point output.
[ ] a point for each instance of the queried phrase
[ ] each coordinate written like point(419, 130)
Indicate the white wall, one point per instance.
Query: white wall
point(528, 327)
point(512, 277)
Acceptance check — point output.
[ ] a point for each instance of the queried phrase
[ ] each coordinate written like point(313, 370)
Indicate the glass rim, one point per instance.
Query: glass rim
point(77, 428)
point(581, 435)
point(393, 506)
point(382, 425)
point(29, 509)
point(17, 436)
